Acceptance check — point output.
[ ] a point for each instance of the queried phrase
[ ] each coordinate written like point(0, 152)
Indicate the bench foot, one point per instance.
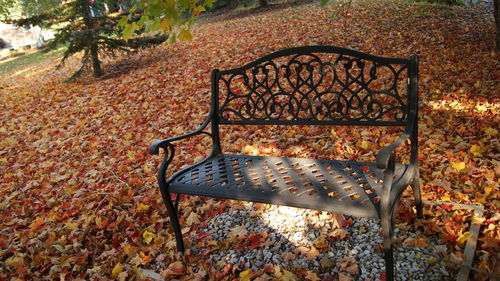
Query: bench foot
point(416, 193)
point(389, 265)
point(388, 254)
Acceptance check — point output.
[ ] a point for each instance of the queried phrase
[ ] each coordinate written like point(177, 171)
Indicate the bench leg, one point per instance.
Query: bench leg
point(174, 220)
point(386, 218)
point(171, 208)
point(416, 194)
point(388, 254)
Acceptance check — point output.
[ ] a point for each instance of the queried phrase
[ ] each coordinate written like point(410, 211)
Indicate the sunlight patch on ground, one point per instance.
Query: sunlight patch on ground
point(457, 105)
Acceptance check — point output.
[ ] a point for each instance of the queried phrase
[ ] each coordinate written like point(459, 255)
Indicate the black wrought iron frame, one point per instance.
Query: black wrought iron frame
point(386, 160)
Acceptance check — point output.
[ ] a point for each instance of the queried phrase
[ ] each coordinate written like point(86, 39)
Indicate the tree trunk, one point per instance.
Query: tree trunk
point(96, 64)
point(496, 12)
point(234, 3)
point(94, 50)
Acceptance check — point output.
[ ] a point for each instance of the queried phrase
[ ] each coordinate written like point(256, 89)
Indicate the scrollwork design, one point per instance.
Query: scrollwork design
point(315, 86)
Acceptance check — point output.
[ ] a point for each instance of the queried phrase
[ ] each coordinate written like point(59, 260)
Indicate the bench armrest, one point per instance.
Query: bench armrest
point(384, 154)
point(154, 148)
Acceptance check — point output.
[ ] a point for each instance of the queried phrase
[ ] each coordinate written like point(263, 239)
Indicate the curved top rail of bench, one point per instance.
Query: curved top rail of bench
point(318, 49)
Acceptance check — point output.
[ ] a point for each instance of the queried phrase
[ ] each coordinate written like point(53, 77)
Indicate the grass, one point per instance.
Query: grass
point(25, 60)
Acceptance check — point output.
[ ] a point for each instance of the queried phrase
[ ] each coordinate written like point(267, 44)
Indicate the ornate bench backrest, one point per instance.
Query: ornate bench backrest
point(317, 85)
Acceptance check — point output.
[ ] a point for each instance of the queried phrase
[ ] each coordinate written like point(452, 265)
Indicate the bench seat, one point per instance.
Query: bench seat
point(334, 186)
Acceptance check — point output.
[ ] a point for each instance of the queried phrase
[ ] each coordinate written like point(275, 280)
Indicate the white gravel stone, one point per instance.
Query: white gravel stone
point(291, 228)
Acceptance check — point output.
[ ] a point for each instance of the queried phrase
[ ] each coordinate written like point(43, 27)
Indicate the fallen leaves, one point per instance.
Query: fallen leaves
point(74, 156)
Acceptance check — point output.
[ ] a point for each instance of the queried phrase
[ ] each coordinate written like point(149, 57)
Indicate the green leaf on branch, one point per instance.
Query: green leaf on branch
point(142, 20)
point(128, 31)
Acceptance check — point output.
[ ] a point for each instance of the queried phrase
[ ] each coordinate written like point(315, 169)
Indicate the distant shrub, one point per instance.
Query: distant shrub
point(3, 44)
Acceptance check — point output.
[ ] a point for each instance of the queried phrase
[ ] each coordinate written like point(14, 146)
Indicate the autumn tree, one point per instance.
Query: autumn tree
point(10, 9)
point(87, 26)
point(173, 17)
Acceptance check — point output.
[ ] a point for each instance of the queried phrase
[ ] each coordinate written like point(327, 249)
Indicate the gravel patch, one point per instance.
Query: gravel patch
point(296, 238)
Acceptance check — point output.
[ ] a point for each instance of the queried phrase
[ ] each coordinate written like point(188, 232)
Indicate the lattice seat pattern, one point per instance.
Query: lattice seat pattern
point(327, 185)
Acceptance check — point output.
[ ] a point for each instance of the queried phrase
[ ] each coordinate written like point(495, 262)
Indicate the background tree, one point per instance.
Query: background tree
point(496, 13)
point(11, 9)
point(7, 8)
point(89, 26)
point(263, 3)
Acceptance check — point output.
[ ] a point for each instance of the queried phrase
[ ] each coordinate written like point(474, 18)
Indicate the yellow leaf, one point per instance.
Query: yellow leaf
point(131, 155)
point(185, 35)
point(312, 276)
point(130, 250)
point(142, 207)
point(246, 275)
point(117, 270)
point(165, 24)
point(37, 224)
point(476, 150)
point(489, 189)
point(462, 237)
point(71, 225)
point(14, 262)
point(459, 166)
point(477, 220)
point(320, 242)
point(285, 275)
point(193, 219)
point(277, 270)
point(491, 132)
point(288, 276)
point(148, 236)
point(482, 108)
point(364, 144)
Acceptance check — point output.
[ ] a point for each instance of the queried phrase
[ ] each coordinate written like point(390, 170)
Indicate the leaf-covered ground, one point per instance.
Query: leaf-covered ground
point(79, 197)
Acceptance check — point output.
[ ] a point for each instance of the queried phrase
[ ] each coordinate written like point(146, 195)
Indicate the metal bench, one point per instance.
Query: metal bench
point(313, 85)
